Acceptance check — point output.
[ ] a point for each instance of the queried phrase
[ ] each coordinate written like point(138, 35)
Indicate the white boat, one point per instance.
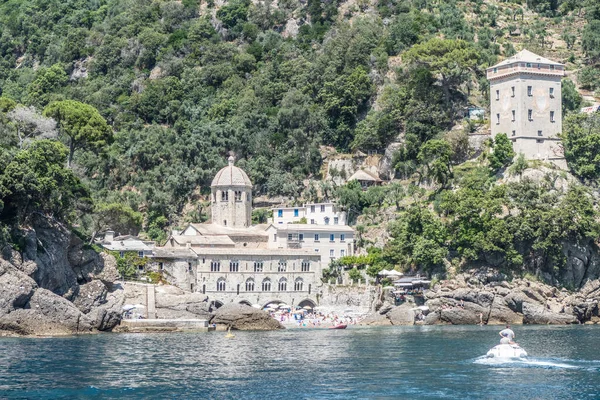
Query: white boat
point(508, 351)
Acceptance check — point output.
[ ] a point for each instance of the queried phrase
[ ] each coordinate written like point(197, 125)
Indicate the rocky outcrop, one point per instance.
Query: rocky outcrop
point(57, 285)
point(244, 318)
point(389, 314)
point(486, 296)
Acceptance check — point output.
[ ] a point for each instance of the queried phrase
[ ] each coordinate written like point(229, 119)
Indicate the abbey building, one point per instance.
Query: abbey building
point(230, 259)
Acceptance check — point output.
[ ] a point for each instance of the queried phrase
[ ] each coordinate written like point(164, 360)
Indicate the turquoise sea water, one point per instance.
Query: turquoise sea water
point(391, 362)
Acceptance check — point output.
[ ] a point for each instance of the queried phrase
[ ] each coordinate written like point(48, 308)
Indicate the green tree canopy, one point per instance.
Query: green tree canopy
point(581, 141)
point(81, 123)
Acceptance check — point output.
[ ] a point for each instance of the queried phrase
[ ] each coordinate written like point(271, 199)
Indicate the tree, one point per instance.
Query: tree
point(450, 60)
point(571, 99)
point(590, 40)
point(35, 180)
point(502, 152)
point(46, 82)
point(581, 141)
point(436, 156)
point(116, 216)
point(81, 123)
point(29, 123)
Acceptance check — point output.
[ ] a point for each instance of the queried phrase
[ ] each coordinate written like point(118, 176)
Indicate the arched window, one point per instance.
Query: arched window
point(266, 285)
point(298, 284)
point(221, 285)
point(238, 195)
point(250, 285)
point(282, 285)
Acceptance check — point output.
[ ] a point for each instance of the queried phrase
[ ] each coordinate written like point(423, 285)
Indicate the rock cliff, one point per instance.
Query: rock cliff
point(56, 285)
point(488, 296)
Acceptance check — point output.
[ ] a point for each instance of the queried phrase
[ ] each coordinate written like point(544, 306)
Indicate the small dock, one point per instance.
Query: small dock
point(163, 325)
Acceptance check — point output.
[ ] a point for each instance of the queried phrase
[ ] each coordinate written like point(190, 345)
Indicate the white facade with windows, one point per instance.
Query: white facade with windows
point(525, 104)
point(315, 214)
point(330, 241)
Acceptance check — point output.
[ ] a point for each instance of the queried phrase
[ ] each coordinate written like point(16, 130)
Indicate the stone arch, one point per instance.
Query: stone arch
point(307, 302)
point(215, 304)
point(246, 302)
point(276, 302)
point(282, 285)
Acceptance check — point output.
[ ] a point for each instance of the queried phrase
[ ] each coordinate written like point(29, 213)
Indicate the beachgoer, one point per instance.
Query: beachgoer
point(507, 335)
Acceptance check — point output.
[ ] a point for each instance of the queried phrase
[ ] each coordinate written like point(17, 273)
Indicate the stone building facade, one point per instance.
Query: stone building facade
point(231, 260)
point(525, 104)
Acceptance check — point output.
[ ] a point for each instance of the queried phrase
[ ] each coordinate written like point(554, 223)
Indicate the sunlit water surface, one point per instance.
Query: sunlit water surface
point(392, 362)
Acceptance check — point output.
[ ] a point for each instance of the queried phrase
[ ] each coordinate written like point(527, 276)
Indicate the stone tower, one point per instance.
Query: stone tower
point(525, 103)
point(231, 197)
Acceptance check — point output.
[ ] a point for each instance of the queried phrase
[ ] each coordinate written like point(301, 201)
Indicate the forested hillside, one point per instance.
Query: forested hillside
point(149, 97)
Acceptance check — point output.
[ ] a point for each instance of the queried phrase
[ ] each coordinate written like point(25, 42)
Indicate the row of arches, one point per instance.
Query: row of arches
point(265, 286)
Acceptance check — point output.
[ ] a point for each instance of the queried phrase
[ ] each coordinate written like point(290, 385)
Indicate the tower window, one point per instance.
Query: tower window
point(497, 95)
point(224, 195)
point(512, 89)
point(551, 92)
point(497, 119)
point(551, 116)
point(513, 115)
point(295, 212)
point(514, 133)
point(539, 133)
point(529, 91)
point(530, 115)
point(238, 195)
point(322, 208)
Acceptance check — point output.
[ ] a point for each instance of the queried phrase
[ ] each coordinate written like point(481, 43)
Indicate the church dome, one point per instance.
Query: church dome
point(231, 176)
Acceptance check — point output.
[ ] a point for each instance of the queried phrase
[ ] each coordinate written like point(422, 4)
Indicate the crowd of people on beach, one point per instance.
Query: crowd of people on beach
point(314, 319)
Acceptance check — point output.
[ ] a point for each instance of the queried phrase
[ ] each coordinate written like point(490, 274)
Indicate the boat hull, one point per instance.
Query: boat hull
point(508, 351)
point(342, 326)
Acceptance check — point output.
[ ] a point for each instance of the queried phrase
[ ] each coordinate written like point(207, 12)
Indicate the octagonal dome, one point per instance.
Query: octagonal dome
point(231, 176)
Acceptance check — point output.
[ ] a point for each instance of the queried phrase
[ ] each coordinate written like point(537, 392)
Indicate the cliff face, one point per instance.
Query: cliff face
point(488, 296)
point(57, 286)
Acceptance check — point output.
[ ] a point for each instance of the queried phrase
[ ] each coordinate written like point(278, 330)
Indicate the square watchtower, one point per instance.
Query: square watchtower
point(525, 103)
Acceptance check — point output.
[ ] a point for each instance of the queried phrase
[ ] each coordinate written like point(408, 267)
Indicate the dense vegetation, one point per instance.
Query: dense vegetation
point(149, 97)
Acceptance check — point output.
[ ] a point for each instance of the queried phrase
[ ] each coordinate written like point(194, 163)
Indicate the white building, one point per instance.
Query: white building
point(231, 260)
point(525, 104)
point(127, 244)
point(329, 241)
point(313, 213)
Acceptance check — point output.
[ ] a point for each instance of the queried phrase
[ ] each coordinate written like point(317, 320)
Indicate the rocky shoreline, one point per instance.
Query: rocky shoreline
point(488, 297)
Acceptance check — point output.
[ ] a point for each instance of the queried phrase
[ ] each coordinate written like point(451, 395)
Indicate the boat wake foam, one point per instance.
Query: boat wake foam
point(524, 363)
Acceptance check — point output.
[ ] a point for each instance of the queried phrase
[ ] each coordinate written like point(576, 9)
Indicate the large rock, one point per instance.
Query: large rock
point(402, 315)
point(537, 314)
point(467, 315)
point(501, 314)
point(47, 314)
point(376, 319)
point(16, 288)
point(244, 318)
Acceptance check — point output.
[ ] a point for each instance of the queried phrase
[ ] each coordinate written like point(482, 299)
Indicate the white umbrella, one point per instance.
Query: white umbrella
point(383, 272)
point(307, 307)
point(395, 273)
point(256, 306)
point(140, 306)
point(283, 306)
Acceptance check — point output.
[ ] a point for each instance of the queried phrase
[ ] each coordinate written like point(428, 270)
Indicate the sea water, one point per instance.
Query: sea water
point(359, 362)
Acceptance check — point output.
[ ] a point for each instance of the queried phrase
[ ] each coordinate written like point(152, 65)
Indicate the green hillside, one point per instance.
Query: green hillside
point(180, 84)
